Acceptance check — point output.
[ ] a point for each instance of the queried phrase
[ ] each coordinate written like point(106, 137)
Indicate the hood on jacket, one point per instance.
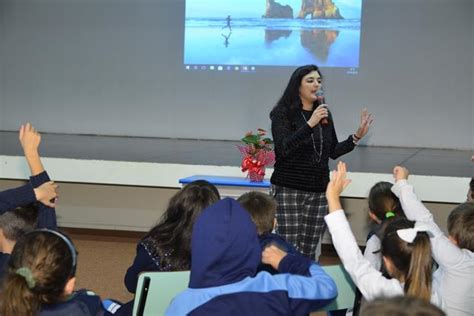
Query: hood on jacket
point(225, 246)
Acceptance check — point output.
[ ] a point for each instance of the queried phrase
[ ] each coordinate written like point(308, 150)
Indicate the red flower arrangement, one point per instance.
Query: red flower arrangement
point(257, 153)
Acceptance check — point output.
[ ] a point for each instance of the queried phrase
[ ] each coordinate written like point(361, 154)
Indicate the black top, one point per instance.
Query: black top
point(298, 164)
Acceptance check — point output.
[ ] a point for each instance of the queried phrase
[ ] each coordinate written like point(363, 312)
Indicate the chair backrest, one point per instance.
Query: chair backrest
point(345, 287)
point(155, 290)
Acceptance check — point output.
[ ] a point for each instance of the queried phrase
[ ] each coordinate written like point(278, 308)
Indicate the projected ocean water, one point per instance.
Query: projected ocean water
point(275, 42)
point(273, 33)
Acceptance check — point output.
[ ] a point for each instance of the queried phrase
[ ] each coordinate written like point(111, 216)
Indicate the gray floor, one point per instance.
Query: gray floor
point(437, 162)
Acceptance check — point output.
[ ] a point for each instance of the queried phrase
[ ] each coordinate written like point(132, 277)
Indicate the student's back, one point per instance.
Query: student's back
point(41, 279)
point(225, 256)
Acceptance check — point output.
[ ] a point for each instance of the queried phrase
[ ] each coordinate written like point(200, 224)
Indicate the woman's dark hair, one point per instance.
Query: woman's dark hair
point(290, 100)
point(412, 260)
point(170, 239)
point(382, 200)
point(50, 262)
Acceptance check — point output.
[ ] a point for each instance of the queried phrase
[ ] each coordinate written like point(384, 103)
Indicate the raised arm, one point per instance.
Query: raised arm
point(444, 251)
point(30, 140)
point(369, 280)
point(413, 208)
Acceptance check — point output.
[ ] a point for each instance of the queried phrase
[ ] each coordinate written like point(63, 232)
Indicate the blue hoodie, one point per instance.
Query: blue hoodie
point(224, 259)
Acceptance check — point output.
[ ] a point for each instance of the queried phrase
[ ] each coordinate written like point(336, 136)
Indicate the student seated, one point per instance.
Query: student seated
point(454, 278)
point(225, 254)
point(41, 278)
point(400, 306)
point(384, 206)
point(262, 208)
point(405, 252)
point(13, 226)
point(167, 246)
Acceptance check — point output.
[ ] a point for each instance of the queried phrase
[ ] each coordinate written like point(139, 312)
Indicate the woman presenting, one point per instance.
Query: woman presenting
point(305, 139)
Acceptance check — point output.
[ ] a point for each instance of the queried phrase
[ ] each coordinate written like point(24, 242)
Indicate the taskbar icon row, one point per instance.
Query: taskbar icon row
point(221, 68)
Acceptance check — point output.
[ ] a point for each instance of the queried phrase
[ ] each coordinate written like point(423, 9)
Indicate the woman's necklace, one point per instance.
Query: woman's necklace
point(316, 153)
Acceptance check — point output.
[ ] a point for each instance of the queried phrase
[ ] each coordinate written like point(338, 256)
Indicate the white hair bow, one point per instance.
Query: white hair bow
point(409, 234)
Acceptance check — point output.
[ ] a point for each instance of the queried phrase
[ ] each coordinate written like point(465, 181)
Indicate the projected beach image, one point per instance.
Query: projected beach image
point(273, 33)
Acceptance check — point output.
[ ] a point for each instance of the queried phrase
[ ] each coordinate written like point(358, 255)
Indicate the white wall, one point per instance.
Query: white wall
point(115, 68)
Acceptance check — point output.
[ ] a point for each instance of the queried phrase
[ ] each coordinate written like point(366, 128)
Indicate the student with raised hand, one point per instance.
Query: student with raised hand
point(41, 278)
point(223, 281)
point(405, 251)
point(454, 278)
point(30, 140)
point(39, 188)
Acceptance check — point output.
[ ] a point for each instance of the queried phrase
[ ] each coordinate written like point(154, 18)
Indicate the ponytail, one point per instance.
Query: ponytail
point(418, 279)
point(17, 298)
point(39, 268)
point(409, 250)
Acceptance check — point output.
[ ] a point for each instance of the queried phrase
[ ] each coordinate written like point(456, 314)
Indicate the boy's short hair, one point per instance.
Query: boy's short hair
point(461, 225)
point(16, 223)
point(400, 306)
point(262, 208)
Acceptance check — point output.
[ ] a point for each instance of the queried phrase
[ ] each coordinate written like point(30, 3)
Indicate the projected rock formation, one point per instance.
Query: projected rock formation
point(273, 35)
point(277, 11)
point(318, 42)
point(319, 9)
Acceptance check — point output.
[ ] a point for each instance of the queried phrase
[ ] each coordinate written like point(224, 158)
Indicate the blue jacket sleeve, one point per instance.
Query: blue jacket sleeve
point(295, 264)
point(311, 293)
point(20, 196)
point(142, 262)
point(46, 214)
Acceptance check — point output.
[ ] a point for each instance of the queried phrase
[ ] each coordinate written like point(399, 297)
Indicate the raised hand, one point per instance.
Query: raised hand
point(365, 122)
point(46, 193)
point(400, 173)
point(335, 187)
point(272, 255)
point(29, 138)
point(320, 113)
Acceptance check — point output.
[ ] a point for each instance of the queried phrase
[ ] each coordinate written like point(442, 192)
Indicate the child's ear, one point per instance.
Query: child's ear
point(388, 265)
point(275, 223)
point(374, 218)
point(2, 238)
point(453, 240)
point(69, 288)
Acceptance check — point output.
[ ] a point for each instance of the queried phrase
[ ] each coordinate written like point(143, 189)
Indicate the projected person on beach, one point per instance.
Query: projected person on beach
point(228, 19)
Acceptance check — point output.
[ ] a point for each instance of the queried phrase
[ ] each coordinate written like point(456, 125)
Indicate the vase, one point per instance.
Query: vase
point(256, 175)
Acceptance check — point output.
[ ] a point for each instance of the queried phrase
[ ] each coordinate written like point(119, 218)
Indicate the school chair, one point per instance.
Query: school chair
point(155, 290)
point(345, 287)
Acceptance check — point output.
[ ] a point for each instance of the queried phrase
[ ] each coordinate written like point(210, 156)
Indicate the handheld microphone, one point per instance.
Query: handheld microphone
point(321, 100)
